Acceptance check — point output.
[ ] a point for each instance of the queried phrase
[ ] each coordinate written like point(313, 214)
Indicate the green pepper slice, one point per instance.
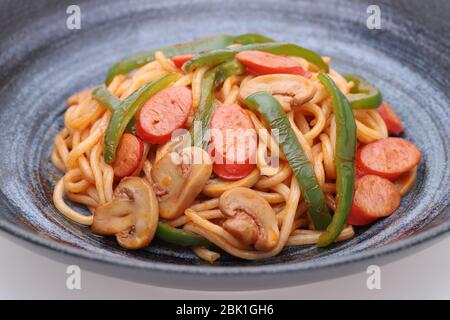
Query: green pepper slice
point(272, 112)
point(215, 57)
point(111, 102)
point(363, 95)
point(345, 159)
point(228, 69)
point(106, 98)
point(138, 60)
point(180, 237)
point(128, 108)
point(249, 38)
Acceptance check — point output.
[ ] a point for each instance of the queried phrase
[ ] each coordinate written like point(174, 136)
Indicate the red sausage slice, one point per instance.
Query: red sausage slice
point(182, 59)
point(390, 117)
point(260, 63)
point(163, 113)
point(374, 198)
point(128, 156)
point(233, 138)
point(359, 170)
point(388, 158)
point(233, 171)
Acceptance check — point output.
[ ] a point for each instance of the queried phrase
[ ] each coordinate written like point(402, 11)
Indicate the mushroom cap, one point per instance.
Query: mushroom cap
point(132, 215)
point(298, 88)
point(240, 201)
point(179, 178)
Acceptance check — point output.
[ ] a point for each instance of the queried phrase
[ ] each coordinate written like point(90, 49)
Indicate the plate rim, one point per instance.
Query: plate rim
point(183, 269)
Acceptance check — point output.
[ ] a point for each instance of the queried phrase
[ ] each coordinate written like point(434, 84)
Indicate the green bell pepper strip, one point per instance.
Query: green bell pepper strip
point(180, 237)
point(228, 69)
point(345, 159)
point(106, 98)
point(131, 127)
point(215, 57)
point(271, 111)
point(212, 79)
point(211, 58)
point(249, 38)
point(363, 95)
point(196, 46)
point(111, 102)
point(128, 108)
point(207, 105)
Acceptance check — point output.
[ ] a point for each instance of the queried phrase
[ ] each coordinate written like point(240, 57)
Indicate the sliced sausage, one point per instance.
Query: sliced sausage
point(233, 139)
point(390, 117)
point(163, 113)
point(259, 63)
point(388, 158)
point(182, 59)
point(128, 156)
point(374, 198)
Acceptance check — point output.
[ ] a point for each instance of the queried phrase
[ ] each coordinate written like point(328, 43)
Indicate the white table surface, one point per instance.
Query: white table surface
point(27, 275)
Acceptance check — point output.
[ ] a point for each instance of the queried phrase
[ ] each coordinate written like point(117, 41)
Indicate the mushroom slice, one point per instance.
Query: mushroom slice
point(250, 218)
point(179, 178)
point(176, 143)
point(300, 89)
point(132, 215)
point(113, 217)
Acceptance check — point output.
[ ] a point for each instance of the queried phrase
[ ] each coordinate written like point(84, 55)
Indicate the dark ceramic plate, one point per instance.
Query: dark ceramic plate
point(42, 63)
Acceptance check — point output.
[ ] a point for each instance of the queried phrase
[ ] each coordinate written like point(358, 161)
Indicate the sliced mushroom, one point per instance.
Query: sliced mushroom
point(250, 218)
point(132, 215)
point(298, 88)
point(174, 144)
point(179, 178)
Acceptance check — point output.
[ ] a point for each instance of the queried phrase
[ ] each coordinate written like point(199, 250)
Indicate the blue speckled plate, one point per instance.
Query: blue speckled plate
point(42, 63)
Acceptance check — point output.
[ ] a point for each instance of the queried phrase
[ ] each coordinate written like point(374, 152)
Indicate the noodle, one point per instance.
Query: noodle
point(215, 187)
point(196, 86)
point(268, 182)
point(65, 209)
point(304, 237)
point(315, 131)
point(206, 214)
point(206, 254)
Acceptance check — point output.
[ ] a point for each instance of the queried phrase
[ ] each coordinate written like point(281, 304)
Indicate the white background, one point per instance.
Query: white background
point(27, 275)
